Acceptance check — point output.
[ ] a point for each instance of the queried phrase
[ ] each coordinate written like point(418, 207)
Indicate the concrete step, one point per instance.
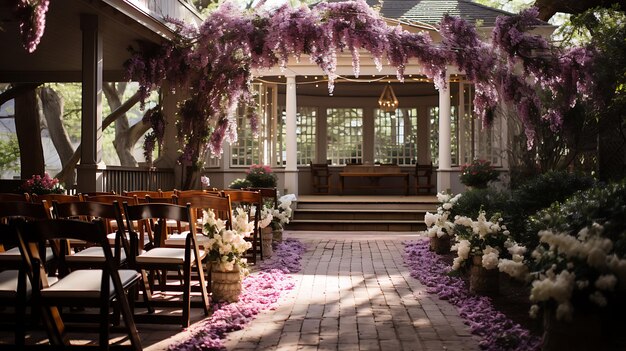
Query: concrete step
point(364, 214)
point(368, 206)
point(357, 225)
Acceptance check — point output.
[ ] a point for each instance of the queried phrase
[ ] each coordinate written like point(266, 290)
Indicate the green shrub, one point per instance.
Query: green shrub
point(604, 204)
point(240, 184)
point(539, 193)
point(472, 201)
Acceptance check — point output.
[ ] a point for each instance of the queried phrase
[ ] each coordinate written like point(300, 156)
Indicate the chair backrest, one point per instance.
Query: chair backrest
point(212, 191)
point(14, 197)
point(157, 211)
point(59, 198)
point(26, 210)
point(142, 193)
point(423, 170)
point(268, 195)
point(98, 210)
point(219, 204)
point(319, 169)
point(247, 200)
point(96, 193)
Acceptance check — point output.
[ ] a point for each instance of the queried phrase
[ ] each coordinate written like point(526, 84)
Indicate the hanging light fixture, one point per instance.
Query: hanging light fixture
point(388, 101)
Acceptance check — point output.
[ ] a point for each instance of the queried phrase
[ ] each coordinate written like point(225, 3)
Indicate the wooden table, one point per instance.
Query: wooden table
point(374, 174)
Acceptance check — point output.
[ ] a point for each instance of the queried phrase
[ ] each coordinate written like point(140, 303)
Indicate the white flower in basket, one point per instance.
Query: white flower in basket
point(225, 248)
point(282, 214)
point(242, 223)
point(266, 217)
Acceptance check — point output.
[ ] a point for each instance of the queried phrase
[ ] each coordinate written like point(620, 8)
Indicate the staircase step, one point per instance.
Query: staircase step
point(359, 225)
point(355, 214)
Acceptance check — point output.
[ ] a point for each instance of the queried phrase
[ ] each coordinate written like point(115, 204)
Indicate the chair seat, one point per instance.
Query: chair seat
point(8, 284)
point(167, 255)
point(92, 254)
point(178, 240)
point(15, 255)
point(86, 284)
point(111, 238)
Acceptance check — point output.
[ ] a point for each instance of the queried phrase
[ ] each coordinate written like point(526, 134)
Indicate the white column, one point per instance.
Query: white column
point(291, 167)
point(445, 157)
point(461, 121)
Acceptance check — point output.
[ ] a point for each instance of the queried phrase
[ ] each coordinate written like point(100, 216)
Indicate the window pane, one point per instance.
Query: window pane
point(345, 135)
point(306, 119)
point(396, 136)
point(433, 114)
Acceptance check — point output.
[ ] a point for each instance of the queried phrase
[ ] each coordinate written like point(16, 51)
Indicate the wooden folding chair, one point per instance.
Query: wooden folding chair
point(252, 203)
point(269, 195)
point(14, 197)
point(181, 260)
point(95, 254)
point(81, 288)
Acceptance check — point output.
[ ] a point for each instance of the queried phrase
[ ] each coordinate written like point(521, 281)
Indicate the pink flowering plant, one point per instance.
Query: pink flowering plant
point(478, 173)
point(261, 176)
point(42, 185)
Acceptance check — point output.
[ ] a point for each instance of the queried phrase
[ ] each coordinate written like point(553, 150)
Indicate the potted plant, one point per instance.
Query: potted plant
point(225, 249)
point(42, 185)
point(439, 227)
point(480, 245)
point(261, 176)
point(478, 174)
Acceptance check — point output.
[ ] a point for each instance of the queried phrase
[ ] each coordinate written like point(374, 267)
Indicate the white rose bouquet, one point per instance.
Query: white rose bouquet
point(225, 248)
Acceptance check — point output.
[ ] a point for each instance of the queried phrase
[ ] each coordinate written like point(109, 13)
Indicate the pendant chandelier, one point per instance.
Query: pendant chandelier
point(388, 101)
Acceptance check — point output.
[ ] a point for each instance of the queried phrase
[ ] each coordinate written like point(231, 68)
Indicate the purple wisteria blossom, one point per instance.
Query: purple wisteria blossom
point(497, 332)
point(32, 17)
point(259, 292)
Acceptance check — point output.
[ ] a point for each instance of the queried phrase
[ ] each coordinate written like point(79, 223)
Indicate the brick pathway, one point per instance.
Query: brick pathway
point(354, 293)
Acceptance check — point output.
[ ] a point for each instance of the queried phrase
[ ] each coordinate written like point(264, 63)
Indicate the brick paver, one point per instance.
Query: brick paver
point(354, 293)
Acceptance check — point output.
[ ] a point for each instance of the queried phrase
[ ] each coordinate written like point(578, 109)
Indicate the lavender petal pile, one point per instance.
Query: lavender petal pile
point(497, 332)
point(260, 292)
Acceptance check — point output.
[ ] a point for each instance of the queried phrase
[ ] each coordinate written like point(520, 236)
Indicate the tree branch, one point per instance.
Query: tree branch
point(17, 90)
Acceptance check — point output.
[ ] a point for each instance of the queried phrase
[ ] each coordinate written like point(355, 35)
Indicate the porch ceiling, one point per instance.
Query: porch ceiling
point(58, 56)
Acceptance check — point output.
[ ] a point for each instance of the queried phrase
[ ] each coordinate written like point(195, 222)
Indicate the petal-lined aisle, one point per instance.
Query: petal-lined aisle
point(260, 292)
point(495, 329)
point(354, 292)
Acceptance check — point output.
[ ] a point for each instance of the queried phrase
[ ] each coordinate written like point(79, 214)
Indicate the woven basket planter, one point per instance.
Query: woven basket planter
point(267, 236)
point(225, 285)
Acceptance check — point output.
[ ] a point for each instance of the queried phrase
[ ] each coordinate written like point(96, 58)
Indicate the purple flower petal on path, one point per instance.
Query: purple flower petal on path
point(497, 332)
point(260, 291)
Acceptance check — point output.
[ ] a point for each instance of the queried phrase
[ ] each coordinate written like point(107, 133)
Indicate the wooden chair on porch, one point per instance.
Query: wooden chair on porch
point(320, 178)
point(424, 179)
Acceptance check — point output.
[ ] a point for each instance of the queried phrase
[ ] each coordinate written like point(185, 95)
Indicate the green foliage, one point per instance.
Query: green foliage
point(240, 184)
point(9, 153)
point(537, 194)
point(603, 204)
point(472, 201)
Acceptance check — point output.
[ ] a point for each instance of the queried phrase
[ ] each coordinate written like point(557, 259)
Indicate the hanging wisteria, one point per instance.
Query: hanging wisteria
point(214, 63)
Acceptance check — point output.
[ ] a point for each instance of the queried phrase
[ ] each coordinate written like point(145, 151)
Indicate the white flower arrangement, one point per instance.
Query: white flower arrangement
point(282, 214)
point(582, 267)
point(480, 237)
point(225, 248)
point(438, 224)
point(266, 217)
point(242, 223)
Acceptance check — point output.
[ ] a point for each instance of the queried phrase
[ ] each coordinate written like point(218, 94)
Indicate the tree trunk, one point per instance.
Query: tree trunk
point(28, 129)
point(121, 143)
point(71, 165)
point(52, 106)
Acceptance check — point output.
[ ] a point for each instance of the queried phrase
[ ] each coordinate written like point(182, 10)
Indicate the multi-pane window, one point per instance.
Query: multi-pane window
point(250, 149)
point(395, 136)
point(306, 118)
point(344, 135)
point(479, 142)
point(433, 115)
